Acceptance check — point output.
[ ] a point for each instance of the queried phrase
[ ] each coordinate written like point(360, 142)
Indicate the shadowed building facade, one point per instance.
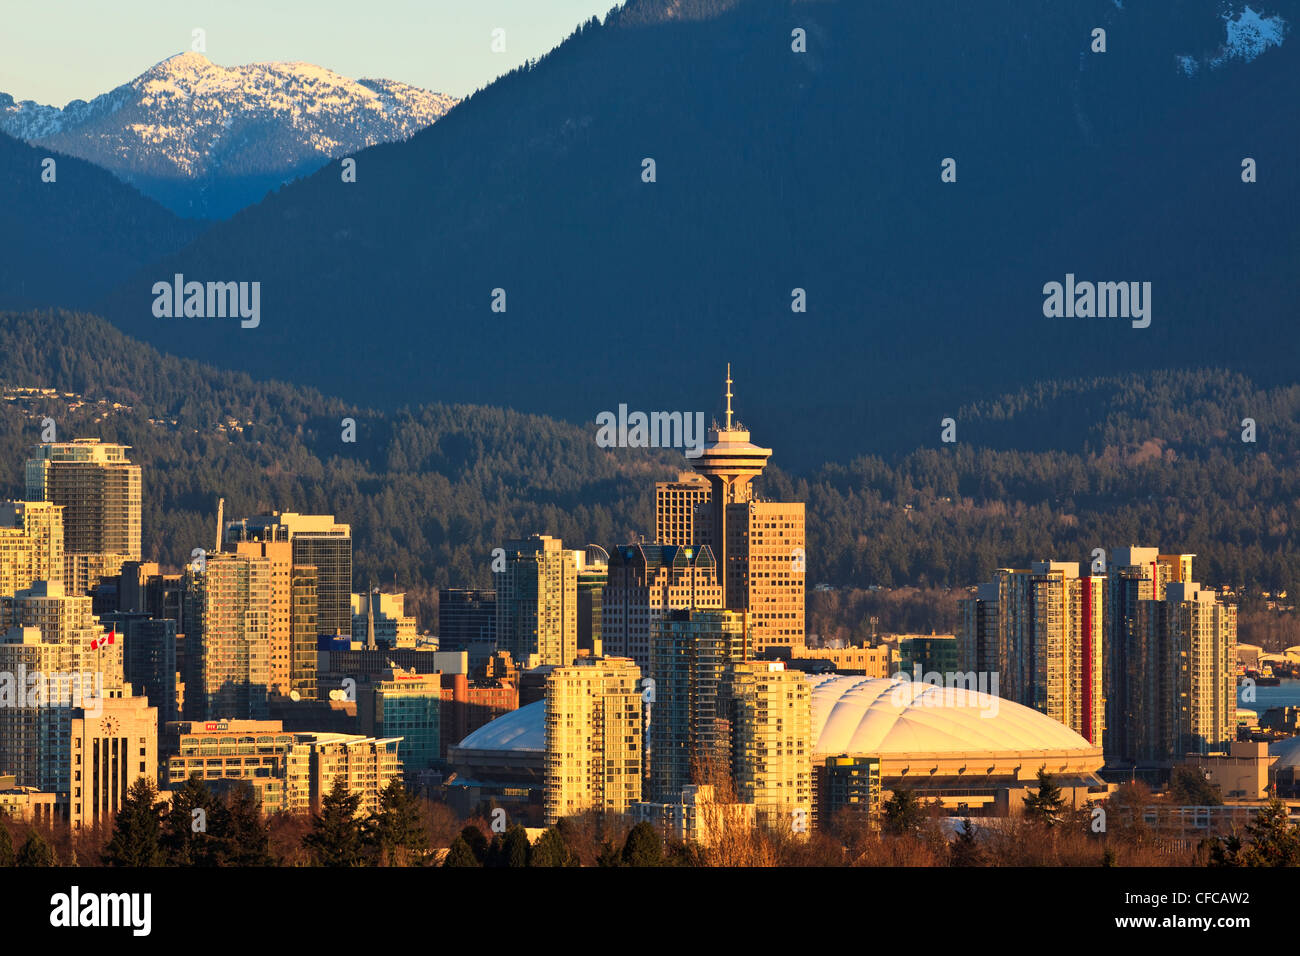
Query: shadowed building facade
point(688, 725)
point(645, 583)
point(228, 639)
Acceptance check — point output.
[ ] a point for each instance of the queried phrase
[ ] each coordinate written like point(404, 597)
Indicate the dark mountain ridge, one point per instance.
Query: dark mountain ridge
point(779, 170)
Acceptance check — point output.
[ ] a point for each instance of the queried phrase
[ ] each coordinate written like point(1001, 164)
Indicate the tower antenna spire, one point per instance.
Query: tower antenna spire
point(728, 396)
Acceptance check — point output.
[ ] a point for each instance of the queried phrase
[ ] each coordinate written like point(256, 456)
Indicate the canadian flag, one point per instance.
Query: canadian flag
point(110, 638)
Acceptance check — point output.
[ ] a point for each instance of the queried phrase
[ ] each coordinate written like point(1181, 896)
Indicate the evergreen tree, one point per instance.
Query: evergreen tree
point(246, 840)
point(336, 837)
point(515, 848)
point(644, 847)
point(6, 846)
point(36, 852)
point(1046, 805)
point(477, 843)
point(461, 854)
point(1226, 850)
point(551, 850)
point(903, 812)
point(494, 856)
point(137, 829)
point(965, 849)
point(1189, 787)
point(190, 840)
point(1271, 840)
point(396, 830)
point(609, 855)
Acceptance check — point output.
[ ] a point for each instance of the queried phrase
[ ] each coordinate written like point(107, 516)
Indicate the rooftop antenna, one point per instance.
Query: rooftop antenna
point(728, 396)
point(221, 511)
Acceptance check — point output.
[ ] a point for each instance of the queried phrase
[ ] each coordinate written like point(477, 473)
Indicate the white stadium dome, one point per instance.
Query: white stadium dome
point(965, 748)
point(865, 715)
point(522, 729)
point(903, 718)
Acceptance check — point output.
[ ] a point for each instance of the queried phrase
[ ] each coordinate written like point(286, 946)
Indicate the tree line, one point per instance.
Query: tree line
point(1057, 470)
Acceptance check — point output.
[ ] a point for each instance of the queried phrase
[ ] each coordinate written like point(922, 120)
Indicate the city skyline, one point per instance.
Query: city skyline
point(769, 438)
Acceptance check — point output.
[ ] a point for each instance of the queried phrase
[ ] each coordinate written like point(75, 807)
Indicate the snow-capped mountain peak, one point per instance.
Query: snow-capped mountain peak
point(206, 139)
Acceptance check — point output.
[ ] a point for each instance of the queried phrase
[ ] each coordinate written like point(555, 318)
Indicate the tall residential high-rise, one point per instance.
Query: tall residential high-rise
point(61, 682)
point(593, 738)
point(1182, 686)
point(770, 709)
point(1050, 629)
point(228, 639)
point(689, 740)
point(682, 509)
point(99, 490)
point(317, 540)
point(302, 631)
point(31, 544)
point(537, 601)
point(31, 728)
point(365, 765)
point(646, 581)
point(279, 558)
point(759, 545)
point(1133, 575)
point(1206, 633)
point(847, 783)
point(54, 657)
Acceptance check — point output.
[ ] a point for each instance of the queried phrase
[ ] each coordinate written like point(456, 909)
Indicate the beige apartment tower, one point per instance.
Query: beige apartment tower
point(100, 492)
point(68, 620)
point(31, 544)
point(771, 743)
point(228, 638)
point(1050, 624)
point(1182, 687)
point(279, 560)
point(594, 746)
point(537, 602)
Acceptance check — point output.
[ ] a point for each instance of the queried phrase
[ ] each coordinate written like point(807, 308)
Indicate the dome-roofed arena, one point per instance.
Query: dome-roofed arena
point(968, 749)
point(962, 747)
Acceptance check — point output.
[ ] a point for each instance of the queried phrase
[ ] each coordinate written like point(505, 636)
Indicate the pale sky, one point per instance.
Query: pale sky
point(53, 51)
